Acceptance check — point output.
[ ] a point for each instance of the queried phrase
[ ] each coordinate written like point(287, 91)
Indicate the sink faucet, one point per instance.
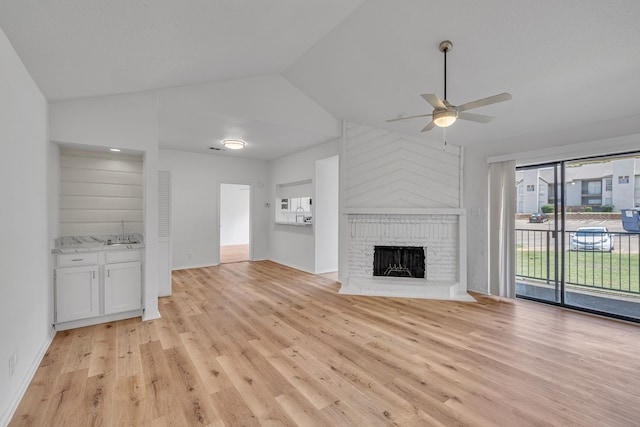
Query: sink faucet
point(300, 213)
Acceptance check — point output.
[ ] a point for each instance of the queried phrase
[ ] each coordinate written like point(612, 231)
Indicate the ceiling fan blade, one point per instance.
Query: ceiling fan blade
point(433, 99)
point(430, 126)
point(409, 117)
point(484, 101)
point(475, 117)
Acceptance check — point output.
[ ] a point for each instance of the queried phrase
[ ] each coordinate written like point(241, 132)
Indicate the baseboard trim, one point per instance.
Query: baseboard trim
point(11, 410)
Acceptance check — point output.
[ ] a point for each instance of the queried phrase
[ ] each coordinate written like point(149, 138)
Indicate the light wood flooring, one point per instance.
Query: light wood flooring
point(234, 253)
point(249, 344)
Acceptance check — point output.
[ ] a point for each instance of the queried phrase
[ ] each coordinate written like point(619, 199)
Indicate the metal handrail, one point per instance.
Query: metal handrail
point(617, 270)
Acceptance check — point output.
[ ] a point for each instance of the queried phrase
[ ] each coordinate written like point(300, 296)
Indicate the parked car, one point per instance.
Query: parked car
point(592, 239)
point(538, 217)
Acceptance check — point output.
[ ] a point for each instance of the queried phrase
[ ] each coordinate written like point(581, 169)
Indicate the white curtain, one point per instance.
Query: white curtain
point(502, 201)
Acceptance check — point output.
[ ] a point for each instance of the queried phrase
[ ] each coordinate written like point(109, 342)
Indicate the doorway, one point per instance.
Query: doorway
point(576, 234)
point(235, 222)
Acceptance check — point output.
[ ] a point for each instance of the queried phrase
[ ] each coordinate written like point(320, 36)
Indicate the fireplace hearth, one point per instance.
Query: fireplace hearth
point(399, 261)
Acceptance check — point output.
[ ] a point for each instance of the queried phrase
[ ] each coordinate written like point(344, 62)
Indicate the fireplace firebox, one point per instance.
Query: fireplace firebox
point(399, 261)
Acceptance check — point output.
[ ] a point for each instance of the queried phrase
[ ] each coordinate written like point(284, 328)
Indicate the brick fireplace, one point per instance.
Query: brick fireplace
point(441, 233)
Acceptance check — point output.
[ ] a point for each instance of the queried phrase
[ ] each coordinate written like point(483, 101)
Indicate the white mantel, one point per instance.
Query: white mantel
point(441, 231)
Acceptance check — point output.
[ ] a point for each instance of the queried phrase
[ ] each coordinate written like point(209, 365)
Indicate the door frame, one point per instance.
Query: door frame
point(219, 221)
point(560, 269)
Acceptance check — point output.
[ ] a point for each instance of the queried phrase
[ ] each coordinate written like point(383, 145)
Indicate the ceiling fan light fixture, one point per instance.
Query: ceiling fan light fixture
point(233, 144)
point(444, 119)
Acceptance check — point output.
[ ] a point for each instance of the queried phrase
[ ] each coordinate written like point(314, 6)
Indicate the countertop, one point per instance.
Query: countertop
point(93, 243)
point(299, 224)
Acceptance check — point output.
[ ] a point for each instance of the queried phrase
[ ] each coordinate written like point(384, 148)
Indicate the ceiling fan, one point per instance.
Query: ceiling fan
point(444, 113)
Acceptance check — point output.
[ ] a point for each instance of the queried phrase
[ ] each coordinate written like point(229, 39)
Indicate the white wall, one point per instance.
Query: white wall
point(295, 245)
point(129, 122)
point(326, 215)
point(26, 308)
point(387, 169)
point(234, 214)
point(195, 184)
point(99, 190)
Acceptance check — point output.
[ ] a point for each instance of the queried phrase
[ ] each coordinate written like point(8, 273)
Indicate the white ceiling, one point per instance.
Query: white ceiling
point(281, 73)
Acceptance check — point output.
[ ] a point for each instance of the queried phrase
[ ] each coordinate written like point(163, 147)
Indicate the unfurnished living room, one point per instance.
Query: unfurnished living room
point(319, 213)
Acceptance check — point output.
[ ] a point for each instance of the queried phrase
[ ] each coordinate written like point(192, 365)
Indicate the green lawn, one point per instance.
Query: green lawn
point(604, 270)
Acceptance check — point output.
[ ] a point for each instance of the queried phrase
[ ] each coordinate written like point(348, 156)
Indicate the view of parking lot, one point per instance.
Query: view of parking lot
point(606, 278)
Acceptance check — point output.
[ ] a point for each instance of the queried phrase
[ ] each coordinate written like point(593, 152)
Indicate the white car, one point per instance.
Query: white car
point(591, 239)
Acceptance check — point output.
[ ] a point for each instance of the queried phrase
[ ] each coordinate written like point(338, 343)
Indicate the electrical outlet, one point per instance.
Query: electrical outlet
point(189, 255)
point(13, 360)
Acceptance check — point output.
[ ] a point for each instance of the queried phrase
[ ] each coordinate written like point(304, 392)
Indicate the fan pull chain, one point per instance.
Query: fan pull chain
point(444, 139)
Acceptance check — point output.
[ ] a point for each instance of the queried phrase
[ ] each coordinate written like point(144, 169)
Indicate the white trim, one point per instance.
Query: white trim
point(291, 265)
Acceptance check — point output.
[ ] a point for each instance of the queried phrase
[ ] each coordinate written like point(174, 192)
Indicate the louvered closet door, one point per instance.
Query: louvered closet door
point(164, 233)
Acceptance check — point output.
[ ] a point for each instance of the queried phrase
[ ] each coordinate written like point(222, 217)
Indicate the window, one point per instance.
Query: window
point(592, 192)
point(592, 187)
point(552, 194)
point(623, 179)
point(608, 186)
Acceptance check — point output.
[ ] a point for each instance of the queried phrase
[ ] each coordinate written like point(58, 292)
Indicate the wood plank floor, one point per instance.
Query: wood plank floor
point(234, 253)
point(259, 344)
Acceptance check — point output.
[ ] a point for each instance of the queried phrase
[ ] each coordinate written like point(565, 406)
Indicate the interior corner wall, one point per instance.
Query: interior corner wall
point(195, 186)
point(128, 122)
point(289, 245)
point(327, 214)
point(26, 310)
point(476, 201)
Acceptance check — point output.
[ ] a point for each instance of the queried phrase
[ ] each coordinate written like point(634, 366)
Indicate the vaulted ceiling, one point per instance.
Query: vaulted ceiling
point(282, 73)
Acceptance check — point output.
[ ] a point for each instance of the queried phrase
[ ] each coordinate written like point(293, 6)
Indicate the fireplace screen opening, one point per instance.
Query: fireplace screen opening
point(399, 261)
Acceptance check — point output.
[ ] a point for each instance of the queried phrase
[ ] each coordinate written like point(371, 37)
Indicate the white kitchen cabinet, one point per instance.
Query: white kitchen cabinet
point(96, 287)
point(122, 287)
point(77, 293)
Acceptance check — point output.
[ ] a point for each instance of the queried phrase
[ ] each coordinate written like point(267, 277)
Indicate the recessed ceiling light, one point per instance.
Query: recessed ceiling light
point(233, 144)
point(114, 149)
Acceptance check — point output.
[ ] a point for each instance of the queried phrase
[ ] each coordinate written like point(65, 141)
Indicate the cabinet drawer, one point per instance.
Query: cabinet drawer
point(121, 256)
point(69, 260)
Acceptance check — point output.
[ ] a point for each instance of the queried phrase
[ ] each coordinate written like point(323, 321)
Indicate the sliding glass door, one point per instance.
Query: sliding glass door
point(578, 234)
point(539, 233)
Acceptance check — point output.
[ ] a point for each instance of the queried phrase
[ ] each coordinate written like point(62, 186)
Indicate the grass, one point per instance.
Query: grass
point(604, 270)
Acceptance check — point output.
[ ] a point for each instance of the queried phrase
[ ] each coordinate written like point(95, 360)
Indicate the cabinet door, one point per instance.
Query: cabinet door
point(122, 290)
point(77, 293)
